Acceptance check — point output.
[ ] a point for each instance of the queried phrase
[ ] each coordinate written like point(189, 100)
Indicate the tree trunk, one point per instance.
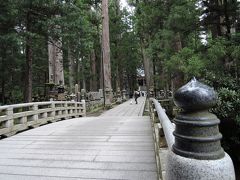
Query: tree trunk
point(117, 52)
point(93, 80)
point(106, 54)
point(100, 63)
point(3, 75)
point(177, 42)
point(56, 74)
point(78, 74)
point(51, 62)
point(178, 79)
point(83, 75)
point(71, 70)
point(29, 58)
point(146, 65)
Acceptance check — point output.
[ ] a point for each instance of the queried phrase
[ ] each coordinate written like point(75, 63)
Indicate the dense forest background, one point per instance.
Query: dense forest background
point(30, 27)
point(171, 40)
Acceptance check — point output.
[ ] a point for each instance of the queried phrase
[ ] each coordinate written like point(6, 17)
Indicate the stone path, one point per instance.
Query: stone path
point(104, 147)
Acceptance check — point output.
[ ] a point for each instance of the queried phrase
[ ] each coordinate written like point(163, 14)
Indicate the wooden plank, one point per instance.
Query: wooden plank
point(104, 147)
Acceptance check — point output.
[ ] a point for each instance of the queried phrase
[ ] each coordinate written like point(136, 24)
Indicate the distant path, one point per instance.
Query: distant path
point(104, 147)
point(128, 109)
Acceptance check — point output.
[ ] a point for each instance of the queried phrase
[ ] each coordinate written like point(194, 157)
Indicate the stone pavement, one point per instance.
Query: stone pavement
point(104, 147)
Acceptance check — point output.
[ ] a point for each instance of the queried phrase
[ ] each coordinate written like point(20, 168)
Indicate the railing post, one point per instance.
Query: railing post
point(84, 107)
point(35, 109)
point(66, 109)
point(197, 152)
point(9, 114)
point(53, 113)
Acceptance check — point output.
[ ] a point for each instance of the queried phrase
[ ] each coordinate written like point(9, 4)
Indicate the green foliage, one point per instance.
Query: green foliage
point(216, 52)
point(183, 16)
point(228, 104)
point(186, 61)
point(228, 111)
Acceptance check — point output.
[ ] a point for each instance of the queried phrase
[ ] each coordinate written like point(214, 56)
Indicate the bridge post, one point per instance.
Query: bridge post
point(66, 109)
point(35, 109)
point(53, 113)
point(84, 108)
point(197, 152)
point(9, 113)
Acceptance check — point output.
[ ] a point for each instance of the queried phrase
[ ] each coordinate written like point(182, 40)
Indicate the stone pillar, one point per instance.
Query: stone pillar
point(65, 112)
point(197, 151)
point(9, 113)
point(119, 97)
point(35, 109)
point(101, 93)
point(151, 91)
point(83, 94)
point(53, 108)
point(124, 95)
point(76, 91)
point(83, 107)
point(108, 98)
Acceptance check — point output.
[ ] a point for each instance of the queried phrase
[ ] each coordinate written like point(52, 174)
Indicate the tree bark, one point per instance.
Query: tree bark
point(106, 53)
point(178, 79)
point(71, 70)
point(78, 74)
point(29, 58)
point(147, 66)
point(3, 74)
point(56, 74)
point(117, 53)
point(93, 80)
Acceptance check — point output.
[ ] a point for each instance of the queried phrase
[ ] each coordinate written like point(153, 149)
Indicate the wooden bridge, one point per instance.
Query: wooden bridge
point(116, 145)
point(119, 144)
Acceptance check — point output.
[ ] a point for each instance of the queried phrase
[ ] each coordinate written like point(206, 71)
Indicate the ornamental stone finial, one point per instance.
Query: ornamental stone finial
point(197, 152)
point(195, 96)
point(197, 135)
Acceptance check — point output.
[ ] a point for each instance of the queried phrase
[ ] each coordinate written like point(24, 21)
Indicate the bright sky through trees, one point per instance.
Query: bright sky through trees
point(124, 3)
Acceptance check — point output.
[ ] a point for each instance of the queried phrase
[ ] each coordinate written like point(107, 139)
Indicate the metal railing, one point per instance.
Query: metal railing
point(19, 117)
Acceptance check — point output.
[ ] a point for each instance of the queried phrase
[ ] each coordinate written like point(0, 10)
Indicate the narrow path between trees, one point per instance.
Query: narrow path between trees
point(115, 145)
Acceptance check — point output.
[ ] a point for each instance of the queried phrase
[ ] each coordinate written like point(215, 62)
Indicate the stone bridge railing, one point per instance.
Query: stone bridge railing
point(19, 117)
point(192, 141)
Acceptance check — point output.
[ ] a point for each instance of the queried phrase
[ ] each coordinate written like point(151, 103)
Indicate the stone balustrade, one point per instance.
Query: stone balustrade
point(19, 117)
point(191, 142)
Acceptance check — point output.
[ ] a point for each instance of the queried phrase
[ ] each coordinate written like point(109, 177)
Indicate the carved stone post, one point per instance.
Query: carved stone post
point(9, 113)
point(53, 111)
point(83, 94)
point(151, 91)
point(108, 98)
point(35, 109)
point(124, 95)
point(119, 98)
point(197, 151)
point(76, 91)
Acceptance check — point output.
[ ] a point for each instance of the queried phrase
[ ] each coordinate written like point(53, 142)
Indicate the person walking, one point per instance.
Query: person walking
point(136, 95)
